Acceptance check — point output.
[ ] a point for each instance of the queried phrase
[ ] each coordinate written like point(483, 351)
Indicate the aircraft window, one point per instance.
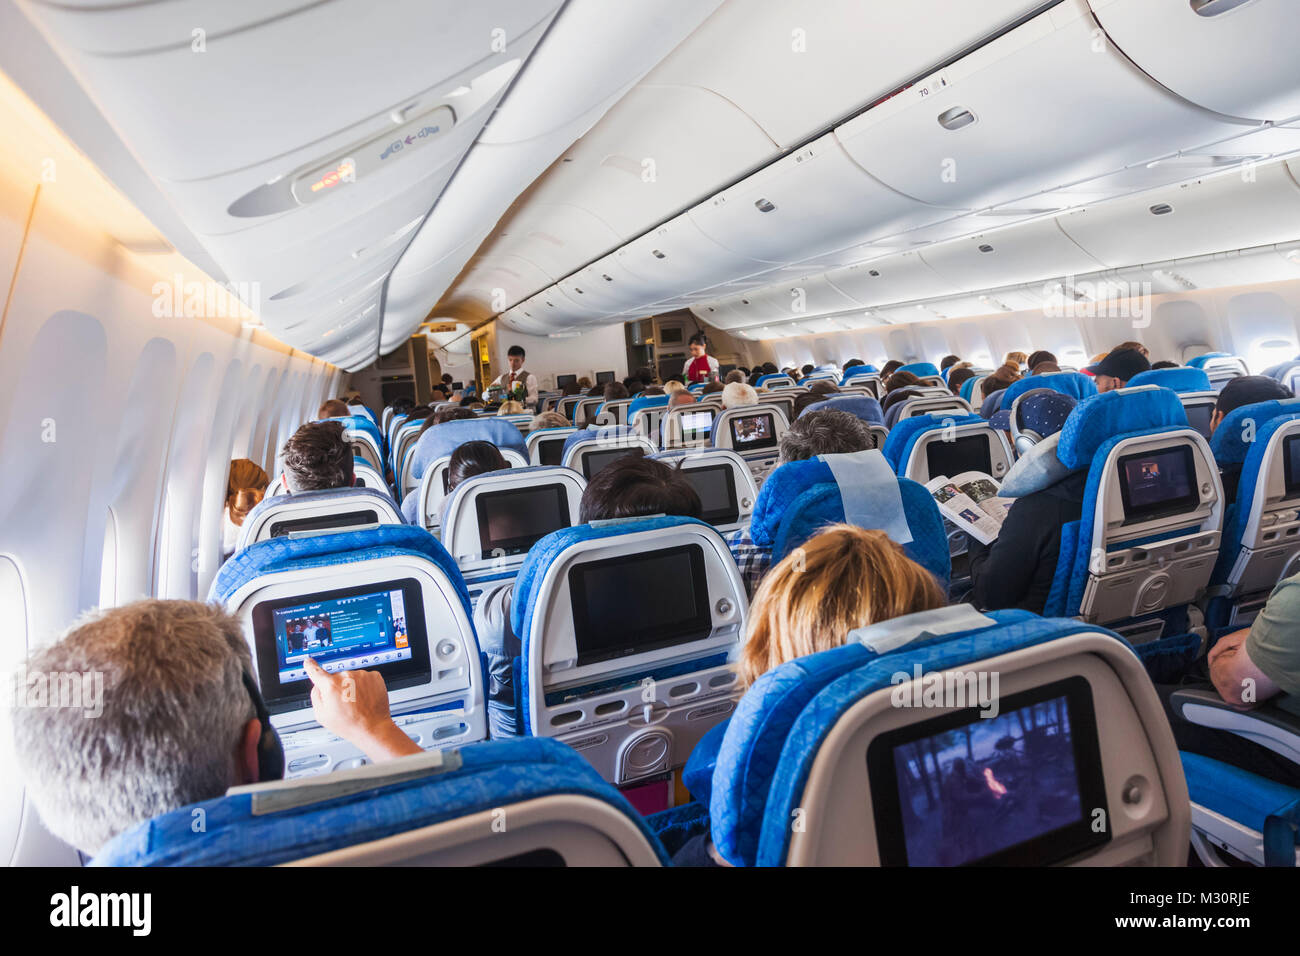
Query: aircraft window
point(163, 551)
point(1213, 8)
point(13, 605)
point(108, 564)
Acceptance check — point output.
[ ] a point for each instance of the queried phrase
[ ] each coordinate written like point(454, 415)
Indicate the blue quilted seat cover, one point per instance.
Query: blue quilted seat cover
point(1202, 360)
point(442, 440)
point(490, 775)
point(1229, 444)
point(1237, 515)
point(903, 436)
point(1184, 379)
point(359, 423)
point(1075, 384)
point(856, 371)
point(967, 390)
point(331, 550)
point(771, 377)
point(865, 408)
point(646, 401)
point(785, 759)
point(1245, 797)
point(920, 369)
point(992, 403)
point(801, 497)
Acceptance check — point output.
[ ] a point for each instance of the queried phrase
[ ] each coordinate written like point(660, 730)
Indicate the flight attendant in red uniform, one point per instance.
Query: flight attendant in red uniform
point(701, 367)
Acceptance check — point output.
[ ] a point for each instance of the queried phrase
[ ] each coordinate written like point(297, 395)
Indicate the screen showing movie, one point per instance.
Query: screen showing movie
point(696, 425)
point(341, 634)
point(510, 522)
point(716, 486)
point(1015, 780)
point(952, 458)
point(1158, 484)
point(617, 613)
point(753, 431)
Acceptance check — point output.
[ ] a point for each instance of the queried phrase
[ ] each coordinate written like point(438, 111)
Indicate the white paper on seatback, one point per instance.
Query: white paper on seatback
point(869, 490)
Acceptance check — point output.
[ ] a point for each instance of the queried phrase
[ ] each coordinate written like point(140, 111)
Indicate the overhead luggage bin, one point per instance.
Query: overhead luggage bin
point(1024, 253)
point(1004, 122)
point(1196, 48)
point(559, 238)
point(898, 279)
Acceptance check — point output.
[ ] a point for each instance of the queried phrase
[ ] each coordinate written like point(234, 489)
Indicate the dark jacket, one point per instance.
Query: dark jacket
point(1016, 571)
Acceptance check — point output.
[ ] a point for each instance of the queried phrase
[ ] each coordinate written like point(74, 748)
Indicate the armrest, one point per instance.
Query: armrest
point(1269, 726)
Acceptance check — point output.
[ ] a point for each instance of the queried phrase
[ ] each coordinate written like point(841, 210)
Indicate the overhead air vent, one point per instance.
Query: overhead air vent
point(956, 118)
point(1161, 209)
point(658, 254)
point(1214, 8)
point(874, 273)
point(764, 205)
point(607, 278)
point(985, 247)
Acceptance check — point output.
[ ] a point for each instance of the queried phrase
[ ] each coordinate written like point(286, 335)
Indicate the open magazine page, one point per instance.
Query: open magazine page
point(982, 524)
point(983, 490)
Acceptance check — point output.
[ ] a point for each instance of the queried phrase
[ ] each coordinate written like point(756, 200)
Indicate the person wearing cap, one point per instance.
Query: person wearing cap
point(1247, 390)
point(1117, 368)
point(1016, 570)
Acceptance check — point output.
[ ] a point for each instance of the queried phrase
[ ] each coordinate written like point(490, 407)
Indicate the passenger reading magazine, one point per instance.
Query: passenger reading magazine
point(970, 501)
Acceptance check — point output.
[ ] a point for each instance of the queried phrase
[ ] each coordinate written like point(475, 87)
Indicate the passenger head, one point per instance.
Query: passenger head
point(680, 397)
point(1044, 368)
point(317, 457)
point(1000, 379)
point(844, 578)
point(473, 458)
point(889, 367)
point(808, 369)
point(1015, 359)
point(570, 388)
point(712, 388)
point(245, 486)
point(1117, 368)
point(1038, 358)
point(1164, 363)
point(736, 394)
point(957, 378)
point(635, 487)
point(673, 386)
point(698, 344)
point(1246, 390)
point(735, 375)
point(511, 408)
point(853, 363)
point(177, 724)
point(825, 432)
point(584, 383)
point(901, 380)
point(948, 360)
point(615, 391)
point(515, 356)
point(1136, 347)
point(333, 408)
point(548, 420)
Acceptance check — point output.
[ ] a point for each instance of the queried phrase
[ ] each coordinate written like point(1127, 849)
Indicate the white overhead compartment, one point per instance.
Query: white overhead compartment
point(899, 279)
point(807, 203)
point(1043, 105)
point(1230, 56)
point(795, 301)
point(1008, 257)
point(557, 237)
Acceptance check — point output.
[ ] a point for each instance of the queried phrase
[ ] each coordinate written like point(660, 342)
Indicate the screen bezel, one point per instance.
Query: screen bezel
point(728, 515)
point(753, 444)
point(284, 527)
point(1054, 846)
point(511, 546)
point(545, 443)
point(588, 474)
point(987, 459)
point(700, 627)
point(1163, 509)
point(604, 378)
point(283, 698)
point(696, 434)
point(1198, 409)
point(563, 380)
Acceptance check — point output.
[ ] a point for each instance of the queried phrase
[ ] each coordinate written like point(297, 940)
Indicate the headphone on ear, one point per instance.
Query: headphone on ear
point(1023, 438)
point(270, 751)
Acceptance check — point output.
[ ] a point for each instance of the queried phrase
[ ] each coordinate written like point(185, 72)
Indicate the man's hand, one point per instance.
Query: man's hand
point(354, 705)
point(1235, 676)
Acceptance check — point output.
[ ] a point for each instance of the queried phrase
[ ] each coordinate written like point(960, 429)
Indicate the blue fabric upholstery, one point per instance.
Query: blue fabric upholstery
point(867, 409)
point(646, 401)
point(856, 371)
point(441, 440)
point(1183, 379)
point(771, 377)
point(1239, 795)
point(992, 403)
point(1228, 443)
point(604, 433)
point(331, 550)
point(800, 497)
point(796, 750)
point(1202, 360)
point(1099, 418)
point(490, 775)
point(1075, 384)
point(967, 390)
point(920, 369)
point(697, 775)
point(903, 436)
point(359, 423)
point(1237, 515)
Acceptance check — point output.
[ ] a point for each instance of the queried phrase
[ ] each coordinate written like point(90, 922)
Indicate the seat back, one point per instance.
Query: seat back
point(503, 803)
point(858, 372)
point(521, 422)
point(589, 450)
point(568, 406)
point(687, 426)
point(628, 630)
point(613, 412)
point(1220, 367)
point(926, 405)
point(722, 480)
point(753, 432)
point(400, 454)
point(388, 599)
point(546, 445)
point(922, 370)
point(1193, 388)
point(970, 388)
point(363, 434)
point(820, 376)
point(491, 520)
point(585, 411)
point(774, 380)
point(317, 512)
point(367, 476)
point(929, 446)
point(646, 413)
point(860, 406)
point(952, 737)
point(432, 492)
point(431, 455)
point(1152, 512)
point(1075, 384)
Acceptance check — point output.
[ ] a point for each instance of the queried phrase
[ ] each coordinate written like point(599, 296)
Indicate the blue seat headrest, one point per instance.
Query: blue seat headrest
point(1178, 379)
point(359, 423)
point(1075, 384)
point(920, 369)
point(330, 550)
point(856, 371)
point(441, 440)
point(1229, 444)
point(602, 433)
point(645, 401)
point(967, 390)
point(867, 409)
point(992, 403)
point(898, 445)
point(771, 376)
point(1097, 419)
point(1202, 360)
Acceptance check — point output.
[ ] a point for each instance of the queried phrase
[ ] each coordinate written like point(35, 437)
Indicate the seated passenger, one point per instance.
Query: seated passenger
point(1117, 368)
point(1016, 571)
point(511, 408)
point(889, 368)
point(1247, 668)
point(317, 457)
point(843, 578)
point(948, 361)
point(680, 396)
point(817, 392)
point(1002, 377)
point(712, 388)
point(179, 724)
point(473, 458)
point(548, 420)
point(1016, 360)
point(1136, 347)
point(630, 487)
point(957, 378)
point(1247, 390)
point(333, 408)
point(245, 487)
point(1038, 358)
point(1164, 363)
point(823, 432)
point(738, 394)
point(736, 375)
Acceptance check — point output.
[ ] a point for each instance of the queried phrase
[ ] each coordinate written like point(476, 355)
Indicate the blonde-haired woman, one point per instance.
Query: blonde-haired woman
point(511, 408)
point(245, 487)
point(844, 578)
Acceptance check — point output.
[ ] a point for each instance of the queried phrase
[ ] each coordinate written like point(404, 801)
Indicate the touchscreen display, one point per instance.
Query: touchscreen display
point(951, 458)
point(1198, 416)
point(753, 431)
point(511, 522)
point(1159, 483)
point(696, 426)
point(550, 451)
point(594, 461)
point(716, 486)
point(1291, 465)
point(351, 519)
